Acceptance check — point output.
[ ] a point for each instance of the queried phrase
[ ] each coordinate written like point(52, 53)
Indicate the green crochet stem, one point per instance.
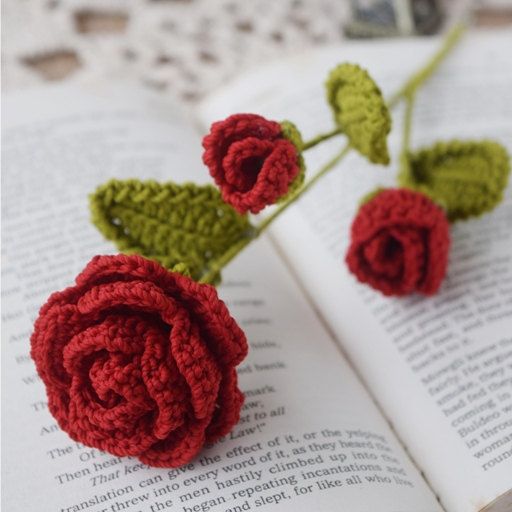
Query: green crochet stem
point(320, 138)
point(406, 136)
point(412, 84)
point(217, 265)
point(422, 75)
point(321, 172)
point(406, 91)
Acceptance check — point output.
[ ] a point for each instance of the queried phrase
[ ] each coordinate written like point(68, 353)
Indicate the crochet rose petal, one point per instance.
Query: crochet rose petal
point(399, 243)
point(139, 361)
point(252, 160)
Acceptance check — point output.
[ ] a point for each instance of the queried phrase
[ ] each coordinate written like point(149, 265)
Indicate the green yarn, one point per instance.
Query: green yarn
point(174, 224)
point(359, 109)
point(290, 132)
point(168, 222)
point(466, 178)
point(181, 268)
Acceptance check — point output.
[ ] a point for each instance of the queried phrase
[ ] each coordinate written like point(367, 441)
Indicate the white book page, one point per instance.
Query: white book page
point(310, 437)
point(440, 367)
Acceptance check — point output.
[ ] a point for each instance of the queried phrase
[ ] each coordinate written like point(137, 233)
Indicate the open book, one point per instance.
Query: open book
point(353, 401)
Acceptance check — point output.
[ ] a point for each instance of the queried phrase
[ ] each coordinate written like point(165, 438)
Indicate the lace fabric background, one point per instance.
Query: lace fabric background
point(185, 47)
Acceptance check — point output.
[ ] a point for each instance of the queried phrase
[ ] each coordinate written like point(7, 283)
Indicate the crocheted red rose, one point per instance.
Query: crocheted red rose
point(400, 243)
point(251, 161)
point(139, 361)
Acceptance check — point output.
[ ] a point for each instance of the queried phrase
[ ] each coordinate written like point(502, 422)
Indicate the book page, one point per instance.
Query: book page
point(440, 367)
point(309, 437)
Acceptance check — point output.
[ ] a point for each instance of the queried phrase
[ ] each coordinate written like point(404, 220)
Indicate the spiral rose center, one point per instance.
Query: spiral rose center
point(116, 380)
point(105, 361)
point(244, 161)
point(250, 169)
point(384, 254)
point(100, 380)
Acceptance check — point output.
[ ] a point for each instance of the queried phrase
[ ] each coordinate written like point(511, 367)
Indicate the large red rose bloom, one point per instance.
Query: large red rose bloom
point(250, 160)
point(140, 361)
point(400, 242)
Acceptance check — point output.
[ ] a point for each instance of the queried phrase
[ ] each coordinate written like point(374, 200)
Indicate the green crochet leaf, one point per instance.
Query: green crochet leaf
point(467, 178)
point(181, 268)
point(360, 111)
point(185, 225)
point(291, 132)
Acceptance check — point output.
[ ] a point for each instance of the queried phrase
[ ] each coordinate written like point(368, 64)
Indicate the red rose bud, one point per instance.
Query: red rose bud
point(140, 361)
point(251, 160)
point(400, 242)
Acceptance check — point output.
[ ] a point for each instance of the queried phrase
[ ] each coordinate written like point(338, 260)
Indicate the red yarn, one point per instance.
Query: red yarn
point(400, 243)
point(140, 361)
point(250, 161)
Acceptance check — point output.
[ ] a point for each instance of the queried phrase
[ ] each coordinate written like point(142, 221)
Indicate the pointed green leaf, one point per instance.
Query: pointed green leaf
point(186, 225)
point(359, 109)
point(467, 178)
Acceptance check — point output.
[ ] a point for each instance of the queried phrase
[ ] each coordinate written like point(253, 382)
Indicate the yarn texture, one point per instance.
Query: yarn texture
point(467, 178)
point(170, 223)
point(359, 109)
point(252, 160)
point(291, 133)
point(139, 361)
point(399, 243)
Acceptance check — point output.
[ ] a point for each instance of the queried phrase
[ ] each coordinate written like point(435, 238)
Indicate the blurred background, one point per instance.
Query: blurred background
point(189, 47)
